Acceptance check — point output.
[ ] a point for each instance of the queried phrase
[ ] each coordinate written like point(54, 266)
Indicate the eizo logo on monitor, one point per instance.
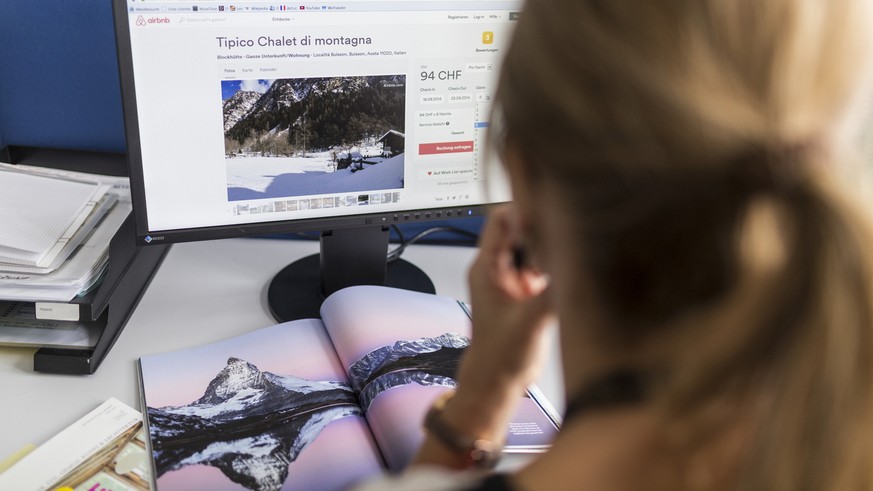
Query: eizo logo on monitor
point(148, 238)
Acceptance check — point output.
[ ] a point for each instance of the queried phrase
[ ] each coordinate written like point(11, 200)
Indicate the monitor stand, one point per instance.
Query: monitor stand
point(349, 256)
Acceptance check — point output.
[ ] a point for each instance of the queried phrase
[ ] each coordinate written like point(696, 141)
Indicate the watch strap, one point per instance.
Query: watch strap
point(477, 452)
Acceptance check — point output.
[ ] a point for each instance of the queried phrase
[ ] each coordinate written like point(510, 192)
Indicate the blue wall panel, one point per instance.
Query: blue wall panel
point(59, 75)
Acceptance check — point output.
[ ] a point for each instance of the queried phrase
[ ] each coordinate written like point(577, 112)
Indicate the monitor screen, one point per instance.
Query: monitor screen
point(250, 117)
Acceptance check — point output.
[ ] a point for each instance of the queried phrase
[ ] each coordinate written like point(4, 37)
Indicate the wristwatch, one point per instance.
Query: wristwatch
point(477, 452)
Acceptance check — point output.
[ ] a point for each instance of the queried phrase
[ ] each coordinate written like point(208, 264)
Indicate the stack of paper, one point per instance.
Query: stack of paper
point(44, 216)
point(55, 231)
point(41, 214)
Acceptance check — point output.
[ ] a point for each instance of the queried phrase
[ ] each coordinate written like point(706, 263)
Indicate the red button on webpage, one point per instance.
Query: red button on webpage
point(445, 147)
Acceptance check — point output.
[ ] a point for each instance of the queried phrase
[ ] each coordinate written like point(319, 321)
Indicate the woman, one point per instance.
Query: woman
point(675, 168)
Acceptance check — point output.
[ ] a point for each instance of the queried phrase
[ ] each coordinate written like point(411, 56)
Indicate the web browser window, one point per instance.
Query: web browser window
point(253, 112)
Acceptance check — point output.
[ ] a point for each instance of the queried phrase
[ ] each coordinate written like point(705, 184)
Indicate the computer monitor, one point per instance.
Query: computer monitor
point(248, 117)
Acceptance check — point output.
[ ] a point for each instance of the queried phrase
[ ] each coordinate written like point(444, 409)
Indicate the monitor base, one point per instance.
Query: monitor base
point(296, 292)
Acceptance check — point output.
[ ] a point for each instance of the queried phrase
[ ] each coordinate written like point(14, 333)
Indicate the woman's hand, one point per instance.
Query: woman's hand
point(511, 310)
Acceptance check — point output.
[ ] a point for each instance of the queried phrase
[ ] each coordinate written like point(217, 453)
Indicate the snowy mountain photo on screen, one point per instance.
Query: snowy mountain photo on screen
point(310, 136)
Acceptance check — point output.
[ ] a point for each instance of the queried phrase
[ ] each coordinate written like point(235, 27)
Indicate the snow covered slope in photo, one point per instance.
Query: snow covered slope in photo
point(263, 177)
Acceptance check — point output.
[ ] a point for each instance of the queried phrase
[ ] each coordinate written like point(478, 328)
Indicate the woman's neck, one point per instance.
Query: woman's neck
point(585, 356)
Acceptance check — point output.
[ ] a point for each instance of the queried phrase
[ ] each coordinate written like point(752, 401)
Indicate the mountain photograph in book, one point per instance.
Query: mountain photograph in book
point(313, 404)
point(311, 136)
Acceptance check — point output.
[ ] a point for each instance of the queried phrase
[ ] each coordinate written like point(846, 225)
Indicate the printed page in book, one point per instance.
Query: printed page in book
point(271, 409)
point(401, 350)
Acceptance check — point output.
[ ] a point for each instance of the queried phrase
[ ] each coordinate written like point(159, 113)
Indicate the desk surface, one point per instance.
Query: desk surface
point(203, 292)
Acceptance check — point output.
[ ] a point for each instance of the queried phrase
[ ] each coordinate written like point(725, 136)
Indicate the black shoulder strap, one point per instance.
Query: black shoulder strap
point(618, 388)
point(494, 482)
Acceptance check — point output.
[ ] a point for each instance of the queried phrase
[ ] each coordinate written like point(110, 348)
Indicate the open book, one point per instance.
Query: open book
point(315, 404)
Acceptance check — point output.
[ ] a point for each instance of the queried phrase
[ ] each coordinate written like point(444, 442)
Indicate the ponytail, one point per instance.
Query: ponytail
point(816, 342)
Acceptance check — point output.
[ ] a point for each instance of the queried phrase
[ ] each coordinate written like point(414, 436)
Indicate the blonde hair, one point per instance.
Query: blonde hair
point(694, 140)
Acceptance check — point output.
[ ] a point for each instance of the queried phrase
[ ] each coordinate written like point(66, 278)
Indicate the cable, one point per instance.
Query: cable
point(400, 237)
point(395, 254)
point(308, 235)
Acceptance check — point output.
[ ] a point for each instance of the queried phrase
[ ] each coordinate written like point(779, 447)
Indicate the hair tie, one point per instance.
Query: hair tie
point(771, 170)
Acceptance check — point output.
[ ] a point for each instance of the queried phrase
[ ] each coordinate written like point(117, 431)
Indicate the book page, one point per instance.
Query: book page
point(271, 409)
point(402, 349)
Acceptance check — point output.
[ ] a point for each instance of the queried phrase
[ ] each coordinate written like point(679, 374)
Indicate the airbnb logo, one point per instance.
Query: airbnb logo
point(142, 21)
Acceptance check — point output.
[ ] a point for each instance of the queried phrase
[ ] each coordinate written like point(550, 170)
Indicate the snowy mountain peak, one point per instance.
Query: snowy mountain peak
point(436, 357)
point(236, 376)
point(250, 424)
point(317, 113)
